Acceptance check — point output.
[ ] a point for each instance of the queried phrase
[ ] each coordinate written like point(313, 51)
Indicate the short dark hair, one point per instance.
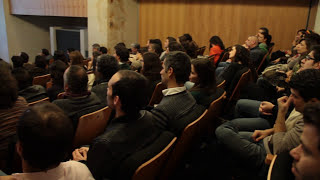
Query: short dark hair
point(135, 45)
point(181, 65)
point(123, 54)
point(206, 75)
point(151, 66)
point(76, 58)
point(188, 37)
point(23, 77)
point(311, 115)
point(156, 41)
point(59, 55)
point(156, 48)
point(316, 52)
point(45, 52)
point(103, 50)
point(171, 39)
point(120, 45)
point(216, 41)
point(8, 88)
point(40, 61)
point(268, 38)
point(77, 79)
point(41, 129)
point(307, 83)
point(24, 56)
point(57, 69)
point(107, 65)
point(132, 90)
point(17, 61)
point(70, 50)
point(96, 46)
point(175, 46)
point(264, 29)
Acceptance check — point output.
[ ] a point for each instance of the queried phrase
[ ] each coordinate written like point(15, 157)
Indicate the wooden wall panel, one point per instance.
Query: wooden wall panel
point(69, 8)
point(232, 20)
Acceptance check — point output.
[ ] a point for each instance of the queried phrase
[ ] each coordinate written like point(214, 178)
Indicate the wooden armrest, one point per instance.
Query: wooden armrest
point(268, 159)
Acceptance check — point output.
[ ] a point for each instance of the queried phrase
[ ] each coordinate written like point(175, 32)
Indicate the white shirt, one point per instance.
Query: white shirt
point(72, 170)
point(172, 91)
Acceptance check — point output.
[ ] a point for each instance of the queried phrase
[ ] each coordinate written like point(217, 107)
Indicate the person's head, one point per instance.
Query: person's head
point(151, 66)
point(240, 54)
point(75, 80)
point(23, 77)
point(45, 136)
point(156, 41)
point(175, 46)
point(17, 61)
point(45, 52)
point(57, 69)
point(264, 38)
point(122, 54)
point(25, 57)
point(120, 45)
point(216, 41)
point(127, 92)
point(169, 40)
point(263, 30)
point(300, 34)
point(305, 87)
point(135, 47)
point(59, 55)
point(188, 37)
point(176, 68)
point(155, 48)
point(40, 61)
point(182, 39)
point(307, 155)
point(103, 50)
point(107, 66)
point(95, 47)
point(70, 50)
point(312, 61)
point(252, 41)
point(76, 58)
point(8, 88)
point(203, 74)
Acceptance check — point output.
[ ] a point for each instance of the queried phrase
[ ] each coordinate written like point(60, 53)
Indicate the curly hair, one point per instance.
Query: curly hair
point(242, 55)
point(216, 41)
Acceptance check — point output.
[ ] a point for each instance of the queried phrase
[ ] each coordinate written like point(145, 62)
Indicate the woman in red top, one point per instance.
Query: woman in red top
point(216, 48)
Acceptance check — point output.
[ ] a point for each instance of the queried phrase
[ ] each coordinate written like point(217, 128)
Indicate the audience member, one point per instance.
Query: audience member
point(307, 155)
point(103, 50)
point(156, 41)
point(177, 108)
point(56, 69)
point(126, 95)
point(76, 58)
point(40, 67)
point(122, 55)
point(11, 108)
point(189, 45)
point(17, 61)
point(175, 46)
point(216, 48)
point(95, 47)
point(237, 137)
point(30, 92)
point(203, 76)
point(312, 60)
point(263, 30)
point(46, 54)
point(45, 136)
point(26, 63)
point(78, 100)
point(107, 66)
point(256, 54)
point(155, 48)
point(166, 45)
point(135, 47)
point(59, 55)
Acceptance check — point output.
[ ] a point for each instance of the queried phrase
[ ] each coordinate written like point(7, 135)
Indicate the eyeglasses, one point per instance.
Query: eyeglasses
point(310, 58)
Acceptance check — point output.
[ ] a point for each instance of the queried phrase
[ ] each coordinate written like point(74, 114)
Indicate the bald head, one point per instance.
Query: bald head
point(252, 41)
point(75, 80)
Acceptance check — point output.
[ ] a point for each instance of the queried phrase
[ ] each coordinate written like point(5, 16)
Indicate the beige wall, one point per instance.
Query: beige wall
point(317, 21)
point(3, 35)
point(111, 22)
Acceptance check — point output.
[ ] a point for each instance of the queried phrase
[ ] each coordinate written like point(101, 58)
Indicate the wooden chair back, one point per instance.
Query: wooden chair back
point(41, 80)
point(49, 84)
point(244, 79)
point(51, 61)
point(262, 62)
point(222, 85)
point(271, 48)
point(157, 94)
point(152, 168)
point(271, 167)
point(39, 101)
point(211, 58)
point(60, 95)
point(189, 136)
point(90, 126)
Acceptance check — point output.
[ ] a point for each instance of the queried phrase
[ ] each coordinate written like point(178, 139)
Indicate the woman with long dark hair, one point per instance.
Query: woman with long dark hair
point(216, 48)
point(203, 76)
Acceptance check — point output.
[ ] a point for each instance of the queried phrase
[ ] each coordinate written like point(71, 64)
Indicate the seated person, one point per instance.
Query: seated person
point(256, 54)
point(57, 69)
point(237, 137)
point(216, 48)
point(203, 76)
point(307, 155)
point(177, 108)
point(77, 100)
point(46, 54)
point(40, 67)
point(130, 131)
point(107, 66)
point(26, 63)
point(30, 92)
point(122, 55)
point(166, 46)
point(17, 61)
point(45, 136)
point(11, 108)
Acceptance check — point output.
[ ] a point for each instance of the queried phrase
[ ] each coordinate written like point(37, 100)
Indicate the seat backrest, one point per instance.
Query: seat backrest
point(152, 168)
point(157, 94)
point(90, 126)
point(271, 48)
point(262, 62)
point(51, 61)
point(61, 95)
point(49, 84)
point(222, 85)
point(41, 80)
point(189, 135)
point(39, 101)
point(244, 79)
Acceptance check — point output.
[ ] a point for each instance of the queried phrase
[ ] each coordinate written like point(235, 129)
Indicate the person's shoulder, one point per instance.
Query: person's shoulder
point(77, 170)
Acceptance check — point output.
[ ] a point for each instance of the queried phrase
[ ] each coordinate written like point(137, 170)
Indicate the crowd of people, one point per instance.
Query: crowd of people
point(278, 111)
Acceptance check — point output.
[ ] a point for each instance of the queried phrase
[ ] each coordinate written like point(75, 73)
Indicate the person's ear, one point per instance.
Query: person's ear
point(313, 100)
point(19, 148)
point(170, 71)
point(116, 100)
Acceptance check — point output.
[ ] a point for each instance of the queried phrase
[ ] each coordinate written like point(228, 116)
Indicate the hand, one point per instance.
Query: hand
point(284, 103)
point(229, 60)
point(79, 154)
point(276, 61)
point(260, 134)
point(279, 89)
point(266, 108)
